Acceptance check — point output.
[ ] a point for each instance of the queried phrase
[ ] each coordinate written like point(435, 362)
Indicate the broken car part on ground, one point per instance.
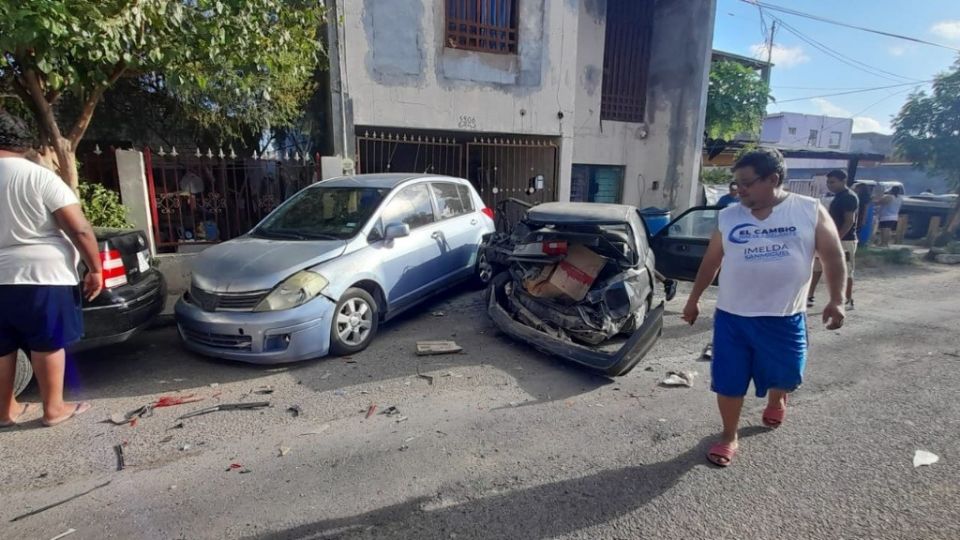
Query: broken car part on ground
point(578, 280)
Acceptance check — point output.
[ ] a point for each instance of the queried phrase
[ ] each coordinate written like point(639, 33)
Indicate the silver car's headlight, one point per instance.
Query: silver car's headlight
point(296, 290)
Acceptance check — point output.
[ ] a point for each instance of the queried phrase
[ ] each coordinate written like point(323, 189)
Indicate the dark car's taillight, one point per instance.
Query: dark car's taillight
point(114, 272)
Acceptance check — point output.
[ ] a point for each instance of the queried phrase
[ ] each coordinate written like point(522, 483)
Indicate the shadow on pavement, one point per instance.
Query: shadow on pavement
point(545, 511)
point(155, 362)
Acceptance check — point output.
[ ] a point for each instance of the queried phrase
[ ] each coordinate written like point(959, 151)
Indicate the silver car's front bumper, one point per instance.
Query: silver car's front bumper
point(260, 338)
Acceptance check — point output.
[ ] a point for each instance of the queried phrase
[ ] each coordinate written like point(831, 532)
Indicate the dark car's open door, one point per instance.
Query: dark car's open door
point(680, 246)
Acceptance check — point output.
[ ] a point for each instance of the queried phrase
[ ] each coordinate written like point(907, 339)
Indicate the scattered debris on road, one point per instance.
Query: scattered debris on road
point(170, 401)
point(214, 385)
point(166, 439)
point(264, 390)
point(428, 378)
point(56, 504)
point(679, 378)
point(390, 411)
point(325, 376)
point(284, 450)
point(121, 463)
point(430, 348)
point(371, 409)
point(185, 447)
point(65, 533)
point(922, 457)
point(438, 314)
point(707, 354)
point(295, 410)
point(401, 419)
point(146, 411)
point(227, 407)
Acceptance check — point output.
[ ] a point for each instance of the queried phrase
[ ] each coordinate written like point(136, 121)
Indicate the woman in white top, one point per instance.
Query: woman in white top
point(890, 204)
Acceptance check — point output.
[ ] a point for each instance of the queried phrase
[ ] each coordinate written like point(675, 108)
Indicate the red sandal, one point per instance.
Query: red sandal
point(721, 454)
point(774, 416)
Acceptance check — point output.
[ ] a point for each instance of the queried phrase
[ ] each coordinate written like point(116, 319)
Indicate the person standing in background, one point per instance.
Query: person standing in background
point(890, 204)
point(42, 227)
point(844, 207)
point(730, 197)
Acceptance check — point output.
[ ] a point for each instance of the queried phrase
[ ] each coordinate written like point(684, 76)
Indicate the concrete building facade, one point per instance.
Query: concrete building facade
point(533, 99)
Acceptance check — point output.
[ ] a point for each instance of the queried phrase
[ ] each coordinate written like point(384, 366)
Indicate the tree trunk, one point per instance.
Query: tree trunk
point(63, 158)
point(954, 221)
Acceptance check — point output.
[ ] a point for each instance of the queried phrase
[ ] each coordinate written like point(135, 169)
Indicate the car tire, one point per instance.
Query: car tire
point(355, 322)
point(23, 374)
point(484, 272)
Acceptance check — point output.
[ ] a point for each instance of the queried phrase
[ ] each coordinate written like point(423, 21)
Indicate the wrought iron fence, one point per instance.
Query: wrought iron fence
point(205, 198)
point(509, 167)
point(386, 151)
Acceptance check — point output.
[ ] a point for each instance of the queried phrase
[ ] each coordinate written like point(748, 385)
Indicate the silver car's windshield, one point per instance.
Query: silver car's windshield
point(322, 213)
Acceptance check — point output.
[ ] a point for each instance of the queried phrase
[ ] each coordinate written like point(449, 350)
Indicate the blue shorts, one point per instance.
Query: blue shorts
point(41, 318)
point(771, 351)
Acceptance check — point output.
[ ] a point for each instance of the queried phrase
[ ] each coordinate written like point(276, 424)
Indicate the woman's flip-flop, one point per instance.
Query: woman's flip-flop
point(721, 454)
point(81, 408)
point(773, 416)
point(5, 425)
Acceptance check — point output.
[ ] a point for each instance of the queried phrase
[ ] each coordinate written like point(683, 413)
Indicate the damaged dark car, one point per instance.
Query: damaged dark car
point(580, 280)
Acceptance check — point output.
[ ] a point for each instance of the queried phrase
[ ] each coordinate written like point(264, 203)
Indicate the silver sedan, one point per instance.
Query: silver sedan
point(323, 270)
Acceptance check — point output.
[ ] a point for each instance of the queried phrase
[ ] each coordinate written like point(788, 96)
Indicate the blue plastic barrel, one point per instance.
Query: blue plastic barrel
point(655, 219)
point(866, 228)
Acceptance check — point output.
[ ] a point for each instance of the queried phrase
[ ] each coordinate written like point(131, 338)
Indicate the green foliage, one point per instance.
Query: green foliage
point(716, 175)
point(927, 129)
point(102, 207)
point(736, 100)
point(228, 64)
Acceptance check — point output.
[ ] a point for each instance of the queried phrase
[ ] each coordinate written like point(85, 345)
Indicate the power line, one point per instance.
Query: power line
point(855, 91)
point(852, 116)
point(789, 11)
point(856, 64)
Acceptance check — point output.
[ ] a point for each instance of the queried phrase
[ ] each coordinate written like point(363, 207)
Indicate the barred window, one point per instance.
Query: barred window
point(626, 60)
point(482, 25)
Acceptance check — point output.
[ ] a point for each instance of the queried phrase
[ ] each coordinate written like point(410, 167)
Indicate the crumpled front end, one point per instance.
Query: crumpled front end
point(582, 292)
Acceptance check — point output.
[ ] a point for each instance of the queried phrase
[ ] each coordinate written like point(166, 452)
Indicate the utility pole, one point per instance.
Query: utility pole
point(766, 70)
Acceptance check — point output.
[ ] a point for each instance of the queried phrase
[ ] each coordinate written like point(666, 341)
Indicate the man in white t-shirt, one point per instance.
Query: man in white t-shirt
point(41, 229)
point(765, 246)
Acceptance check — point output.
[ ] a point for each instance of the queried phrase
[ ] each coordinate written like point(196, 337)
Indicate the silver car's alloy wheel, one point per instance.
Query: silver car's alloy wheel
point(485, 269)
point(354, 322)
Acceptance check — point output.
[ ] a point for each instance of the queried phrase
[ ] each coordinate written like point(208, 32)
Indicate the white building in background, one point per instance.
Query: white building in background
point(811, 132)
point(603, 99)
point(796, 130)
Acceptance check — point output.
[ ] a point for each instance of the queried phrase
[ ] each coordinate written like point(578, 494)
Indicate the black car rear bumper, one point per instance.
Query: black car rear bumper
point(120, 313)
point(613, 364)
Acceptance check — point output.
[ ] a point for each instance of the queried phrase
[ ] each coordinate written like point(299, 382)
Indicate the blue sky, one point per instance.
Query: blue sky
point(803, 71)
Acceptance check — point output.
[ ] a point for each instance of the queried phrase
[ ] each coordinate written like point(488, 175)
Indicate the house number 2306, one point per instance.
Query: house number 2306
point(467, 122)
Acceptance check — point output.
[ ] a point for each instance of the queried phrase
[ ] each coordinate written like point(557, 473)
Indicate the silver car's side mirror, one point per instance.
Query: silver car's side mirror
point(396, 230)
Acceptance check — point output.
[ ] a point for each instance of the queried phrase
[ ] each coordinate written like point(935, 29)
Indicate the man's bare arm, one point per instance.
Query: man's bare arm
point(834, 267)
point(72, 221)
point(709, 267)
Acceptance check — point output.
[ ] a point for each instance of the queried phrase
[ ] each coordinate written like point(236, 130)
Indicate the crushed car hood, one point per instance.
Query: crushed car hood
point(258, 264)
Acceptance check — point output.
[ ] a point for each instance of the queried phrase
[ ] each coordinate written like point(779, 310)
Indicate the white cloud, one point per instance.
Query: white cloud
point(783, 56)
point(897, 50)
point(864, 124)
point(947, 29)
point(829, 109)
point(861, 124)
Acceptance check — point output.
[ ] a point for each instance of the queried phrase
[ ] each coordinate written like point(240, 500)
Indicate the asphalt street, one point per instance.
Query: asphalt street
point(504, 442)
